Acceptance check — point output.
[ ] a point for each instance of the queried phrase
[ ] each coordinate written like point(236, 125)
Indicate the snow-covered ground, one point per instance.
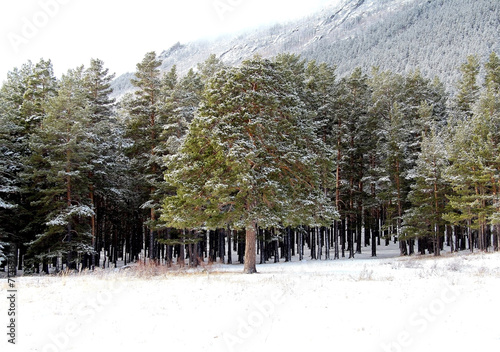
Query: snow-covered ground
point(383, 304)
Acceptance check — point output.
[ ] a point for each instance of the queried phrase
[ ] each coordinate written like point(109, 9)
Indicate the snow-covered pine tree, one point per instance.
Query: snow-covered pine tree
point(11, 158)
point(181, 99)
point(60, 164)
point(40, 84)
point(423, 220)
point(320, 92)
point(209, 68)
point(22, 99)
point(356, 142)
point(488, 111)
point(249, 159)
point(473, 173)
point(492, 78)
point(471, 154)
point(391, 147)
point(98, 83)
point(396, 102)
point(103, 133)
point(182, 104)
point(10, 166)
point(145, 120)
point(319, 95)
point(468, 88)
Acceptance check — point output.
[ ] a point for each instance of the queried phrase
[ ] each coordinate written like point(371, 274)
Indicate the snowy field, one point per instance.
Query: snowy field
point(384, 304)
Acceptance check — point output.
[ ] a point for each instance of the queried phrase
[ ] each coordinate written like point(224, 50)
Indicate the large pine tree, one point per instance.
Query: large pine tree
point(23, 97)
point(473, 150)
point(423, 219)
point(10, 183)
point(145, 121)
point(60, 165)
point(250, 159)
point(355, 144)
point(468, 87)
point(105, 142)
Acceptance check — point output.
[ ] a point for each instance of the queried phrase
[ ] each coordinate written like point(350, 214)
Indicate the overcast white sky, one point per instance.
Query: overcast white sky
point(71, 32)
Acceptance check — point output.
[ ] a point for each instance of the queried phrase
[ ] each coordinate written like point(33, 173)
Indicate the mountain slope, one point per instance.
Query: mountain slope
point(435, 36)
point(400, 35)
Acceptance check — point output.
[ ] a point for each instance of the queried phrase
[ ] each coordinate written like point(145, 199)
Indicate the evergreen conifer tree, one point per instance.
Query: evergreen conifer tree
point(468, 89)
point(61, 161)
point(427, 196)
point(103, 134)
point(145, 121)
point(22, 100)
point(250, 159)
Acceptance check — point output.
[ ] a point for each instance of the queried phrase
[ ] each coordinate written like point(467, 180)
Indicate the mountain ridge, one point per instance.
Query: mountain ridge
point(401, 35)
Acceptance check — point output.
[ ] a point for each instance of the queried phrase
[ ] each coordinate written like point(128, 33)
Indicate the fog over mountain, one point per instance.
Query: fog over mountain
point(434, 36)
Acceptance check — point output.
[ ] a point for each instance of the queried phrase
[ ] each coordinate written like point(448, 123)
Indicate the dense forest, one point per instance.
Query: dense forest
point(271, 159)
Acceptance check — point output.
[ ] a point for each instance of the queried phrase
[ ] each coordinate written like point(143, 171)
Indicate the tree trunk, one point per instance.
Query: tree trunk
point(321, 242)
point(250, 250)
point(471, 241)
point(212, 255)
point(45, 266)
point(411, 246)
point(300, 244)
point(13, 260)
point(336, 239)
point(450, 231)
point(351, 232)
point(182, 255)
point(289, 244)
point(92, 226)
point(375, 234)
point(276, 246)
point(359, 229)
point(463, 239)
point(144, 231)
point(436, 240)
point(403, 248)
point(288, 247)
point(367, 232)
point(379, 227)
point(327, 242)
point(241, 251)
point(342, 235)
point(263, 247)
point(229, 248)
point(222, 245)
point(169, 250)
point(495, 238)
